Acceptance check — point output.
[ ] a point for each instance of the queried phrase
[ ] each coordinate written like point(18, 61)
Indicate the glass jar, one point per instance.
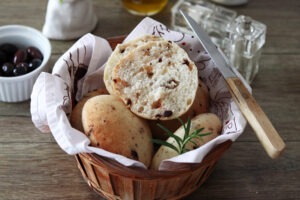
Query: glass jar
point(245, 40)
point(214, 19)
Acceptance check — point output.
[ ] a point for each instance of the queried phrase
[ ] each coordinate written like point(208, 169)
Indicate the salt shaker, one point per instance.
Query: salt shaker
point(245, 40)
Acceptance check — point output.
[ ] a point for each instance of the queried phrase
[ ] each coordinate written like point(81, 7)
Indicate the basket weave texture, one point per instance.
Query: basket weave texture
point(114, 181)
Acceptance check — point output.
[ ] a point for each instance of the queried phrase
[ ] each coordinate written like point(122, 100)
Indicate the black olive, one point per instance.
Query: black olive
point(168, 113)
point(7, 69)
point(3, 57)
point(33, 64)
point(20, 56)
point(20, 69)
point(16, 62)
point(9, 49)
point(34, 53)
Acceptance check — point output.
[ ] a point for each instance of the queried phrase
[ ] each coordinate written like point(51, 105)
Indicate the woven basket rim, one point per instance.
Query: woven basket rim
point(134, 172)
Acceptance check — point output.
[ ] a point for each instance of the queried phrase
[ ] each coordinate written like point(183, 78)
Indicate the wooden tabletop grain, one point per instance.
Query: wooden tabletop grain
point(32, 166)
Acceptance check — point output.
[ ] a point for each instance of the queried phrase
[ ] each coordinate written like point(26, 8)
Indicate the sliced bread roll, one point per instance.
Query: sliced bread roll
point(156, 80)
point(121, 51)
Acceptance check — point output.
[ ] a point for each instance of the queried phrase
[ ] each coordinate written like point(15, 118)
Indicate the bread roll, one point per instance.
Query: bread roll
point(76, 115)
point(120, 52)
point(110, 125)
point(156, 80)
point(200, 105)
point(211, 124)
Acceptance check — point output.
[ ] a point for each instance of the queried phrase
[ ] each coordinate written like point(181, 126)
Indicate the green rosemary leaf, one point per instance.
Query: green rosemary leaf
point(165, 129)
point(180, 120)
point(197, 135)
point(205, 134)
point(162, 142)
point(188, 127)
point(184, 150)
point(199, 130)
point(202, 135)
point(182, 142)
point(171, 134)
point(194, 143)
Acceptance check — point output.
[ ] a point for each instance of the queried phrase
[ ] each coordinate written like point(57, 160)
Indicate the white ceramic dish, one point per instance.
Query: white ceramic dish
point(18, 88)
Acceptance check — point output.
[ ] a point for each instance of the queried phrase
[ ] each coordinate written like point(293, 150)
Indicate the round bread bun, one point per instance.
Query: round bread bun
point(156, 80)
point(200, 105)
point(76, 115)
point(121, 51)
point(110, 125)
point(210, 123)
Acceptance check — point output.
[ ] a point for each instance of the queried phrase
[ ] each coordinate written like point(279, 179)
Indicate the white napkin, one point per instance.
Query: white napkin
point(69, 19)
point(51, 102)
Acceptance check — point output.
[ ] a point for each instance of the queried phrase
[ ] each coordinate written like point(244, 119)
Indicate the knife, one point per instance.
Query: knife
point(258, 120)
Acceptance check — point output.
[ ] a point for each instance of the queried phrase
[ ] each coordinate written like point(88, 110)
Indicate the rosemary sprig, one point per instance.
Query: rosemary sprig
point(181, 142)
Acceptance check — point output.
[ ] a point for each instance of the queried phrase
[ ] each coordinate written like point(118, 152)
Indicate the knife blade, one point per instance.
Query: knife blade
point(256, 117)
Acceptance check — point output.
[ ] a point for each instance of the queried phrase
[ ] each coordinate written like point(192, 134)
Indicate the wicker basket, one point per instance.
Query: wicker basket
point(114, 181)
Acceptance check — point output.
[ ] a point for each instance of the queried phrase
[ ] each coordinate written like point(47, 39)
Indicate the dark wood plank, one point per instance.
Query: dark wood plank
point(246, 173)
point(40, 171)
point(21, 130)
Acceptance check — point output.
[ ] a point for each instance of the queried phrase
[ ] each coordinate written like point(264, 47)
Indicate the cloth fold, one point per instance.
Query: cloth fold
point(80, 70)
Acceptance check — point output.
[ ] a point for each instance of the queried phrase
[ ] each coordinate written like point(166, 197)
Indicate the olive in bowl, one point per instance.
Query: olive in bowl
point(16, 62)
point(24, 54)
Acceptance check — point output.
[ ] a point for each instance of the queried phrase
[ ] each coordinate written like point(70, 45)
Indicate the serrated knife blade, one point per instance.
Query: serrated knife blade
point(258, 120)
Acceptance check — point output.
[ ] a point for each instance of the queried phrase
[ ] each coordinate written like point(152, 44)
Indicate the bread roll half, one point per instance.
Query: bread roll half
point(156, 80)
point(120, 52)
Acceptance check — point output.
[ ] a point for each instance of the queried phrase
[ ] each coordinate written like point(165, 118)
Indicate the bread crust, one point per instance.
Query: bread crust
point(76, 115)
point(110, 125)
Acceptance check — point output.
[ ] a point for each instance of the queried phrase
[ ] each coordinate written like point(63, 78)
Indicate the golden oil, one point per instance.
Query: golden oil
point(144, 7)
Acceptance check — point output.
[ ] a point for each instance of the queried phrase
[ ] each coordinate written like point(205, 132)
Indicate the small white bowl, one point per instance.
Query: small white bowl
point(19, 88)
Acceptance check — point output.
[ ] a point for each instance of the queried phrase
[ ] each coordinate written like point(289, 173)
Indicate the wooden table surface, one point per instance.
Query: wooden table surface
point(32, 166)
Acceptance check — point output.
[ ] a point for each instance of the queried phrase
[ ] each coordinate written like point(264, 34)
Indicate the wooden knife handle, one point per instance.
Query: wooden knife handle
point(258, 120)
